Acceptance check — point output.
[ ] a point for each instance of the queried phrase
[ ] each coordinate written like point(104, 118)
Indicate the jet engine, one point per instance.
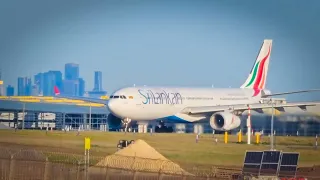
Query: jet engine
point(224, 121)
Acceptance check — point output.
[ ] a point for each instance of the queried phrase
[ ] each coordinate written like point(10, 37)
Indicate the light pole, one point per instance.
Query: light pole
point(249, 125)
point(23, 115)
point(272, 114)
point(90, 117)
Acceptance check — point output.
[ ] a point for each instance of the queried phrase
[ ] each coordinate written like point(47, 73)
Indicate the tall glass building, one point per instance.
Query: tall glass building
point(24, 86)
point(71, 71)
point(51, 79)
point(10, 90)
point(97, 81)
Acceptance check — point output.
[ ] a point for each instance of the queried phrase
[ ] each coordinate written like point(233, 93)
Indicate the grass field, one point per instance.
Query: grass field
point(180, 148)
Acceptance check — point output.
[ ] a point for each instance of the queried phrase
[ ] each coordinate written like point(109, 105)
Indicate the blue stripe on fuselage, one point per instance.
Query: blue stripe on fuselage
point(174, 119)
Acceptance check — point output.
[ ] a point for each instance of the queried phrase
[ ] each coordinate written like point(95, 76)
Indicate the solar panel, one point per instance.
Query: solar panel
point(289, 159)
point(253, 157)
point(269, 169)
point(271, 157)
point(252, 163)
point(289, 164)
point(270, 163)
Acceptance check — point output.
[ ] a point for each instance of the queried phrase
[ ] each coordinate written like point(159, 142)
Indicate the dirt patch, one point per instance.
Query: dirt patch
point(309, 172)
point(141, 149)
point(140, 156)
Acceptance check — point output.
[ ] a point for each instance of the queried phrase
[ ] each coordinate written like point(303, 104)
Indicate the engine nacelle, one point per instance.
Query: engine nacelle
point(224, 121)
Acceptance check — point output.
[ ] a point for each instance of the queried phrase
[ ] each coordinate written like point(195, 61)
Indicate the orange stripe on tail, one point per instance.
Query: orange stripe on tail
point(263, 80)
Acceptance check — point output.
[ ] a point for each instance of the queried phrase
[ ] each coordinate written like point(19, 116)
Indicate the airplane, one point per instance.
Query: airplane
point(221, 107)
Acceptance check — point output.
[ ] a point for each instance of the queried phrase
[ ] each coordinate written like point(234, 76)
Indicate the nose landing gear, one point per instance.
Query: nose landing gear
point(125, 122)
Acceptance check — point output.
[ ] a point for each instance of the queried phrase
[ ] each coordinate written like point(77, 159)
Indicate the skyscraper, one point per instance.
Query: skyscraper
point(24, 86)
point(97, 81)
point(21, 86)
point(10, 90)
point(71, 87)
point(58, 78)
point(71, 71)
point(97, 91)
point(38, 81)
point(28, 88)
point(34, 90)
point(51, 79)
point(81, 87)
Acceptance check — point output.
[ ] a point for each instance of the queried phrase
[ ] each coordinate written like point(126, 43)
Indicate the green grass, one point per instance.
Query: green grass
point(180, 148)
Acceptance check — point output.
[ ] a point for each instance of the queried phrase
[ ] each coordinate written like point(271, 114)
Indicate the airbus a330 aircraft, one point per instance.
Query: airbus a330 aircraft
point(221, 107)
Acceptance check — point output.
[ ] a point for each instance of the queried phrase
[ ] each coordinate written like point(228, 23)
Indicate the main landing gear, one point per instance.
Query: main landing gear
point(125, 122)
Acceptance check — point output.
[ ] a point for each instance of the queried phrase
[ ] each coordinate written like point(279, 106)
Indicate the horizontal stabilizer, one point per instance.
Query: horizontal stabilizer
point(292, 92)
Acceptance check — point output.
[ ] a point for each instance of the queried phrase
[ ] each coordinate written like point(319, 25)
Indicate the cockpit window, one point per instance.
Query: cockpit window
point(117, 97)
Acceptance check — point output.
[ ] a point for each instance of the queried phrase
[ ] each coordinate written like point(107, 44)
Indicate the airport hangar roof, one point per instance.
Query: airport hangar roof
point(50, 105)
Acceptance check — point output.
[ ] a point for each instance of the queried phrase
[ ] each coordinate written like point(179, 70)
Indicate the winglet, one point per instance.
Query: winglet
point(56, 90)
point(258, 75)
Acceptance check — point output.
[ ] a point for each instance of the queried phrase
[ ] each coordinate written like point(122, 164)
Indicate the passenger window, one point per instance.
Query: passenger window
point(111, 97)
point(116, 97)
point(124, 97)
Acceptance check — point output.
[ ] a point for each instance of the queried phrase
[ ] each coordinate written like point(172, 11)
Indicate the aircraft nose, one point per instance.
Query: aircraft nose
point(111, 106)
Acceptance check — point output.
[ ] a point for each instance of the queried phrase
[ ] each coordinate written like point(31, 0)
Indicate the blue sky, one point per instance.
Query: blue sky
point(168, 42)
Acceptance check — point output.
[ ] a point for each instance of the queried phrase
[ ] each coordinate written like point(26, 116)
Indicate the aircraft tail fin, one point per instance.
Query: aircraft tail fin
point(258, 75)
point(56, 91)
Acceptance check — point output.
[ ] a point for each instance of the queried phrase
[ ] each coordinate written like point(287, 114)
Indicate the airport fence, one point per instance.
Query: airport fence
point(35, 164)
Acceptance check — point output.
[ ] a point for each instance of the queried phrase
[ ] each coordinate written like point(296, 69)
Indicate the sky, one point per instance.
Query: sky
point(164, 43)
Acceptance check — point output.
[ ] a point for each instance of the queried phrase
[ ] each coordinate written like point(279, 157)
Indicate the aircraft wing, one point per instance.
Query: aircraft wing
point(292, 92)
point(243, 107)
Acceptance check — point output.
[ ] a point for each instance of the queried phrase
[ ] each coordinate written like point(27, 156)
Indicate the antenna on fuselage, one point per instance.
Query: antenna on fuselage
point(134, 85)
point(212, 86)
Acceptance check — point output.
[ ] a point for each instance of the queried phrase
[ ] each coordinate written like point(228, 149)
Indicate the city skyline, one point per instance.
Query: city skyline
point(164, 43)
point(43, 83)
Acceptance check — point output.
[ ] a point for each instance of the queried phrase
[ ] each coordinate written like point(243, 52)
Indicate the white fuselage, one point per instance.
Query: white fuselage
point(150, 103)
